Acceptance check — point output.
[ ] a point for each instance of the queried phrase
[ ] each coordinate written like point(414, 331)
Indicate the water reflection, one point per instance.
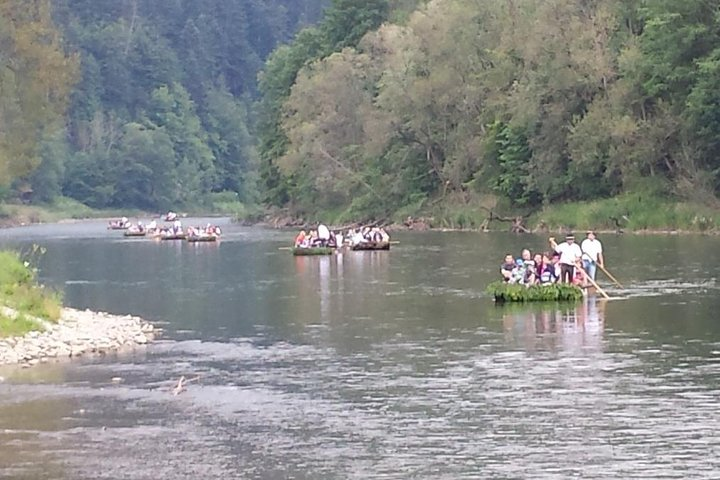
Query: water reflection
point(573, 328)
point(323, 284)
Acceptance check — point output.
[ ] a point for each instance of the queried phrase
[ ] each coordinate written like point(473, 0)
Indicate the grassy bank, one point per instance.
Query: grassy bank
point(63, 208)
point(225, 204)
point(629, 213)
point(633, 212)
point(22, 300)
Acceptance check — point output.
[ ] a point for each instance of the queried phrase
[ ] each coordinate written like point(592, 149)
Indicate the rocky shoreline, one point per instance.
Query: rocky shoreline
point(78, 332)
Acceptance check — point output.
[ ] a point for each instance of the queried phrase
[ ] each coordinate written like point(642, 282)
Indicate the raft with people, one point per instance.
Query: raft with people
point(565, 273)
point(309, 251)
point(172, 236)
point(119, 224)
point(370, 245)
point(202, 238)
point(358, 239)
point(209, 233)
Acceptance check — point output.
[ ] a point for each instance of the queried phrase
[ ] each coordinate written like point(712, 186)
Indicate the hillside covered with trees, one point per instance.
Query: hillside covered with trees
point(359, 110)
point(517, 103)
point(159, 115)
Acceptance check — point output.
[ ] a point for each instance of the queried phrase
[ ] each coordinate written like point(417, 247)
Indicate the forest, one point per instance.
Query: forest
point(149, 103)
point(361, 110)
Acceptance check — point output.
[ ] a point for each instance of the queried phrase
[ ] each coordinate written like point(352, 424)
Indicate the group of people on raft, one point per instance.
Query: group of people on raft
point(176, 229)
point(324, 237)
point(566, 262)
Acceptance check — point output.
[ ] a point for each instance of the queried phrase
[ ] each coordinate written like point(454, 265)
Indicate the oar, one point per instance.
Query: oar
point(592, 282)
point(610, 276)
point(394, 242)
point(285, 248)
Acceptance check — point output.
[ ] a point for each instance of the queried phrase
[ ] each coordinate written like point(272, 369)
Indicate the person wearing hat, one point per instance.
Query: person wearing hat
point(592, 254)
point(570, 255)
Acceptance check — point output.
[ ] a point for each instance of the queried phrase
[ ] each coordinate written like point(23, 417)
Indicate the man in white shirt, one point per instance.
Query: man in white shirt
point(592, 254)
point(323, 234)
point(570, 255)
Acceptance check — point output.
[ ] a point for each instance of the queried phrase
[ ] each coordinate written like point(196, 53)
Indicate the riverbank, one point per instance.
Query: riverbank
point(633, 213)
point(76, 333)
point(63, 210)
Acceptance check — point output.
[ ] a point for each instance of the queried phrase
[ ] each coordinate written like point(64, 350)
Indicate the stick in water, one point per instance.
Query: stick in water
point(610, 276)
point(592, 282)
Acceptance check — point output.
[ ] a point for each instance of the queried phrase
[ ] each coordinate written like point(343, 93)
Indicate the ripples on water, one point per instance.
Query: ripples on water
point(464, 406)
point(589, 391)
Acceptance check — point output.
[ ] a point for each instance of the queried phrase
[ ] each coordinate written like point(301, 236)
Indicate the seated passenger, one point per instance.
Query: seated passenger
point(548, 274)
point(376, 235)
point(300, 239)
point(507, 267)
point(579, 278)
point(518, 273)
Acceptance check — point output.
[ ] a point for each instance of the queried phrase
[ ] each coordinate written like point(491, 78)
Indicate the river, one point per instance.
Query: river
point(390, 365)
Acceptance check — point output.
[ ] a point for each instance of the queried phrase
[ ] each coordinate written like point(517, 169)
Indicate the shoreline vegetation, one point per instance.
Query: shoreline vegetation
point(35, 327)
point(628, 213)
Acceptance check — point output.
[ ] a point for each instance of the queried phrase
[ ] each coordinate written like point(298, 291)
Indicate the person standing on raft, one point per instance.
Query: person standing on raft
point(570, 255)
point(592, 254)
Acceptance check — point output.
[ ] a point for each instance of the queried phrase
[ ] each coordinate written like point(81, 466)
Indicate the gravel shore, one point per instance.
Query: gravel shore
point(78, 332)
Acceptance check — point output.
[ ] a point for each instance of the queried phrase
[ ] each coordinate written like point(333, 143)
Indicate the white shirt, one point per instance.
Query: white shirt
point(591, 249)
point(569, 253)
point(323, 232)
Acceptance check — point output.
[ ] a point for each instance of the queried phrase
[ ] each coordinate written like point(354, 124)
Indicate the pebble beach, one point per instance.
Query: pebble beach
point(78, 332)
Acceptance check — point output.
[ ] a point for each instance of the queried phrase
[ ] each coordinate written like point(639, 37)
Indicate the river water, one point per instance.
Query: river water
point(390, 365)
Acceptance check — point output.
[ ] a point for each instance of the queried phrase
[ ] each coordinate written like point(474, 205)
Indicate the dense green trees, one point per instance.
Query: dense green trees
point(380, 107)
point(158, 116)
point(534, 101)
point(35, 80)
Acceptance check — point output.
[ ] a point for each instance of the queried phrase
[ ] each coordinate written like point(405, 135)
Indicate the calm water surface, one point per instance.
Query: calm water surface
point(388, 365)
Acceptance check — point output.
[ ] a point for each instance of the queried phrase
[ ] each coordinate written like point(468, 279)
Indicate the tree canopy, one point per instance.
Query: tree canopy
point(533, 101)
point(364, 109)
point(160, 111)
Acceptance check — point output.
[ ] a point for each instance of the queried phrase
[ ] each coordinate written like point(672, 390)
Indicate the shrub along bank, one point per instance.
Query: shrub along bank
point(24, 304)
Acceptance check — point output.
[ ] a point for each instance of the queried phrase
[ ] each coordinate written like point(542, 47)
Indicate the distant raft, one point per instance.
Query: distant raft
point(302, 251)
point(553, 292)
point(371, 246)
point(204, 237)
point(118, 225)
point(135, 233)
point(172, 236)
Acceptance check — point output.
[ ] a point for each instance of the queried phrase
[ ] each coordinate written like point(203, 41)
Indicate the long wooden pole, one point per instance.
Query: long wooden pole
point(592, 282)
point(610, 276)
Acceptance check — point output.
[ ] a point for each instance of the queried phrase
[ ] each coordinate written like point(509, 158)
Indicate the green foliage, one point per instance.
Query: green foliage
point(382, 108)
point(555, 292)
point(185, 69)
point(20, 292)
point(509, 149)
point(459, 99)
point(312, 251)
point(12, 327)
point(35, 82)
point(631, 212)
point(228, 203)
point(344, 23)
